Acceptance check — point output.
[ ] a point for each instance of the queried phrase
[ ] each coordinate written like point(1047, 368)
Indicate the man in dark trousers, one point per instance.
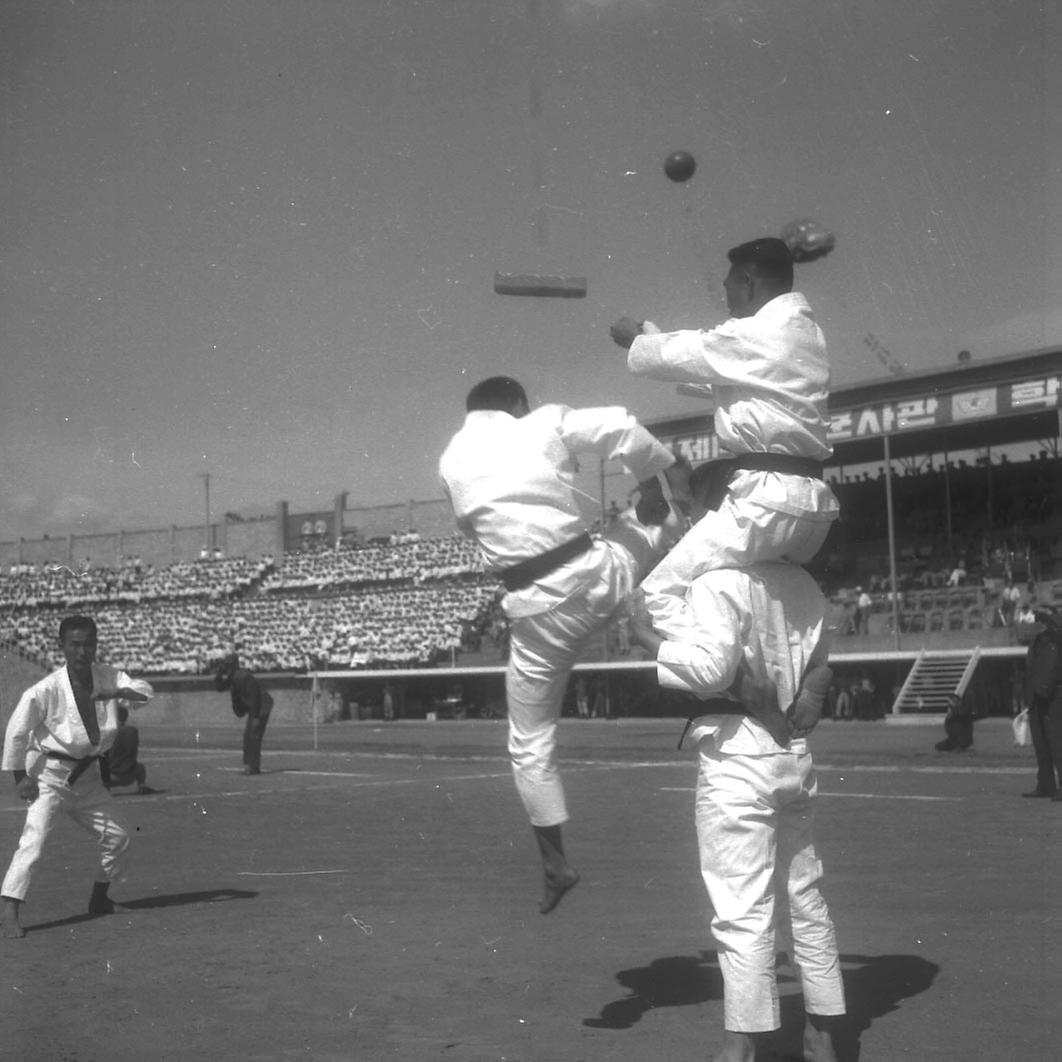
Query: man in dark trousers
point(122, 757)
point(1043, 694)
point(958, 726)
point(251, 702)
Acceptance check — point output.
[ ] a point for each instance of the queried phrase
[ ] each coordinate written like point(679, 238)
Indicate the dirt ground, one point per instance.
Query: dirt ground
point(375, 898)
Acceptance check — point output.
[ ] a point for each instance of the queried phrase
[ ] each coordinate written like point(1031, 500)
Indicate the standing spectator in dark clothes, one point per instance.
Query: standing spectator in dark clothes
point(1043, 694)
point(865, 701)
point(122, 763)
point(251, 702)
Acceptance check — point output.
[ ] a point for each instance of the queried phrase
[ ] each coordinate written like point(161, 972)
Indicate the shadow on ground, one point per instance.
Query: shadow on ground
point(177, 899)
point(874, 986)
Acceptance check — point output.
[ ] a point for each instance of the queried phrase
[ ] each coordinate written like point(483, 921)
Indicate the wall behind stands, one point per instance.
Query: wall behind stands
point(195, 702)
point(158, 546)
point(251, 537)
point(431, 519)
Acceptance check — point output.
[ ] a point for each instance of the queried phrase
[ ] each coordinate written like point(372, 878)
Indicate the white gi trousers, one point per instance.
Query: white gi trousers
point(544, 647)
point(754, 828)
point(89, 804)
point(740, 532)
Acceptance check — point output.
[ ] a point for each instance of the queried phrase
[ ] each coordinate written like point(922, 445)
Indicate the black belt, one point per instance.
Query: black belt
point(786, 464)
point(712, 706)
point(80, 765)
point(526, 572)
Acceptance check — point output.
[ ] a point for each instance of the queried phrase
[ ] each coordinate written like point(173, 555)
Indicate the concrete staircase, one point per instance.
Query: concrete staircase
point(934, 677)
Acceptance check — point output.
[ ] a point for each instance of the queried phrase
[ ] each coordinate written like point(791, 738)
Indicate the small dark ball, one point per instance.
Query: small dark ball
point(680, 165)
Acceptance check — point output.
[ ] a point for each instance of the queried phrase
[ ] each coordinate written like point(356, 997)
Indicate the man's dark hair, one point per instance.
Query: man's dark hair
point(224, 671)
point(497, 392)
point(77, 623)
point(768, 257)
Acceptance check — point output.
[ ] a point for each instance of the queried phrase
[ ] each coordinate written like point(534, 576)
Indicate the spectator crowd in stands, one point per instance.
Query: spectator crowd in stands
point(410, 604)
point(403, 600)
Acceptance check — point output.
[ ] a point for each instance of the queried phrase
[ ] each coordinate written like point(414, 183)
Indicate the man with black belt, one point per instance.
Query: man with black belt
point(755, 662)
point(766, 371)
point(510, 476)
point(54, 744)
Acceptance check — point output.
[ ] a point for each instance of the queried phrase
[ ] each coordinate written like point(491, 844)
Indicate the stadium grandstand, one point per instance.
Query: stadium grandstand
point(951, 489)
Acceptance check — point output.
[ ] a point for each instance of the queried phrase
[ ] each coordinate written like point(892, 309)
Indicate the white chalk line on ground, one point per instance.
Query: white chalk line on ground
point(366, 781)
point(870, 768)
point(300, 770)
point(270, 790)
point(287, 873)
point(823, 793)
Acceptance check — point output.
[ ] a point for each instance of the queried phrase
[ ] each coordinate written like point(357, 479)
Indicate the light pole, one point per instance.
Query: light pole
point(205, 477)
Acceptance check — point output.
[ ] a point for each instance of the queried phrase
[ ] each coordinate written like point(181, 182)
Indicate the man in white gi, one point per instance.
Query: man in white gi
point(53, 745)
point(766, 371)
point(754, 656)
point(510, 476)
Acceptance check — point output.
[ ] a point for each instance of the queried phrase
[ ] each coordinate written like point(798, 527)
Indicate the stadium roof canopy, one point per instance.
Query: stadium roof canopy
point(1012, 399)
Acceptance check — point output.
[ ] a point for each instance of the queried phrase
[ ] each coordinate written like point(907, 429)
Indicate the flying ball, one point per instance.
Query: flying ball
point(679, 166)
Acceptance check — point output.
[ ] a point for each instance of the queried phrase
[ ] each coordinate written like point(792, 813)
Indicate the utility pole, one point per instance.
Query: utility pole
point(205, 477)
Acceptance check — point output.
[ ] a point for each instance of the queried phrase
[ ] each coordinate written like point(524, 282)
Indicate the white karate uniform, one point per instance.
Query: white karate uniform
point(511, 481)
point(754, 808)
point(45, 720)
point(769, 377)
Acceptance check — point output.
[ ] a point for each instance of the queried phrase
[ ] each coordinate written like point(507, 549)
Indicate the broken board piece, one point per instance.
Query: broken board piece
point(539, 285)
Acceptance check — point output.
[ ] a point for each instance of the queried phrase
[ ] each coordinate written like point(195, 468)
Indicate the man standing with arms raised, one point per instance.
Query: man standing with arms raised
point(766, 371)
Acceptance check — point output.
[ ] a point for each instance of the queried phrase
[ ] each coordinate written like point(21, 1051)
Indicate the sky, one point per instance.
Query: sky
point(256, 239)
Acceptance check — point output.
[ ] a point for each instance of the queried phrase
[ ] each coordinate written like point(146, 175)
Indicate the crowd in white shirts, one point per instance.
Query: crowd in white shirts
point(410, 604)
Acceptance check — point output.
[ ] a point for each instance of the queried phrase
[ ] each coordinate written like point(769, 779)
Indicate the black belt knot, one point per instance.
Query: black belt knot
point(526, 572)
point(712, 706)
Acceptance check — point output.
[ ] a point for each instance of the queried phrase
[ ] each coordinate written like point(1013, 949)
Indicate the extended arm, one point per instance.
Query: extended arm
point(687, 356)
point(135, 691)
point(612, 433)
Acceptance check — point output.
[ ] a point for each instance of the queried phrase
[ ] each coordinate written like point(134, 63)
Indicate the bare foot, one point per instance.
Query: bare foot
point(818, 1042)
point(10, 926)
point(738, 1047)
point(556, 887)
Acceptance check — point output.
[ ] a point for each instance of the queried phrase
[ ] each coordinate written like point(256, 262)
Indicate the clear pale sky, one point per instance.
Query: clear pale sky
point(256, 238)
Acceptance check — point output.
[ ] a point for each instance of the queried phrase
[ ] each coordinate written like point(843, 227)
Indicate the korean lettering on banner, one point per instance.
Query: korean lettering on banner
point(694, 448)
point(913, 413)
point(840, 426)
point(1035, 393)
point(916, 413)
point(908, 415)
point(868, 421)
